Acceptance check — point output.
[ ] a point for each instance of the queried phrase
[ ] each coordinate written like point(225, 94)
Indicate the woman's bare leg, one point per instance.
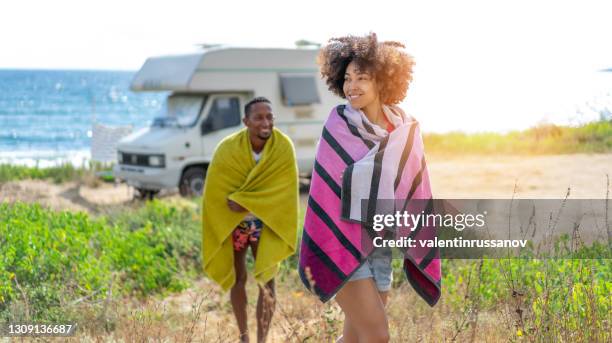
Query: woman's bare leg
point(383, 297)
point(364, 311)
point(238, 294)
point(349, 335)
point(348, 332)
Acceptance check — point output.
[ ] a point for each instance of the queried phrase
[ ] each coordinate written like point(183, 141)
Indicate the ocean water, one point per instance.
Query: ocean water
point(46, 116)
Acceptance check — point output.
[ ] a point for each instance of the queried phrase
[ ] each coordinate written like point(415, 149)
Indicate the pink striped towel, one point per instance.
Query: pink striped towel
point(358, 161)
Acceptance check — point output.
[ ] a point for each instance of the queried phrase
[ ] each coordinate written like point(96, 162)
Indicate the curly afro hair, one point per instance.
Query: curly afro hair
point(387, 62)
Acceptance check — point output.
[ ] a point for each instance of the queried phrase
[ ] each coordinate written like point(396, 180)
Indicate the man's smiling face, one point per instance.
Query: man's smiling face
point(259, 120)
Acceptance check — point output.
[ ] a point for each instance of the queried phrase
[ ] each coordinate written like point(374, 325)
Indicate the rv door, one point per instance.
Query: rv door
point(223, 118)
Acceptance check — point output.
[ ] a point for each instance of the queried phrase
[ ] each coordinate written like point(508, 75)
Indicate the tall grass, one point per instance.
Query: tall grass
point(594, 137)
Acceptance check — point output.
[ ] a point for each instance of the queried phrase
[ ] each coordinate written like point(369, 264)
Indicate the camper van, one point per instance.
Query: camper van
point(206, 96)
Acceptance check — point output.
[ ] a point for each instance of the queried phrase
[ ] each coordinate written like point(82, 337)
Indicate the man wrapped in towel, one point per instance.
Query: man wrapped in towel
point(250, 200)
point(355, 161)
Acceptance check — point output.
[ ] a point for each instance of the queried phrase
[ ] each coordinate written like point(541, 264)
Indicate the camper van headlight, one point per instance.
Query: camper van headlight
point(156, 160)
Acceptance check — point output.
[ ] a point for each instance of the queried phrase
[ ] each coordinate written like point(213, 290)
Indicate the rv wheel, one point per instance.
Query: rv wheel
point(192, 182)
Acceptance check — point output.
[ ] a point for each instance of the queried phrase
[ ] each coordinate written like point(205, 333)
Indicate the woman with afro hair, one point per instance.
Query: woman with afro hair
point(369, 150)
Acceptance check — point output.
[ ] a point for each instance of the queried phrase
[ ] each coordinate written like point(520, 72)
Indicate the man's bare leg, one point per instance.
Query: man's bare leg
point(266, 303)
point(238, 294)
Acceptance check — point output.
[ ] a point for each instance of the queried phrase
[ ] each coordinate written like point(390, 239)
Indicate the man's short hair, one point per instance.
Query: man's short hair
point(256, 100)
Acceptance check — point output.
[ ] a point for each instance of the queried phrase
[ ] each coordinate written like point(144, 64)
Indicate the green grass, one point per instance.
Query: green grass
point(58, 174)
point(49, 260)
point(556, 299)
point(595, 137)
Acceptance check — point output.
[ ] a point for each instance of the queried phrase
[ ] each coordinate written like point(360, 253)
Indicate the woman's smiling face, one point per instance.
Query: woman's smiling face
point(359, 86)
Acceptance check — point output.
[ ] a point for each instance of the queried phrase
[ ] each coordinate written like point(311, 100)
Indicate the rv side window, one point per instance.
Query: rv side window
point(224, 112)
point(299, 90)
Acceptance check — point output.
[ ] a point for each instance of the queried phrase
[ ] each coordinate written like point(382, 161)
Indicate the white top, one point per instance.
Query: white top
point(257, 157)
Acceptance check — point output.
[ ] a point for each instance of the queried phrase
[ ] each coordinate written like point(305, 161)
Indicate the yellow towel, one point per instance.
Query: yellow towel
point(268, 189)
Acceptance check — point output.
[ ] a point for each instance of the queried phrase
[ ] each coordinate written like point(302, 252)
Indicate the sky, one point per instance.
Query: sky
point(480, 65)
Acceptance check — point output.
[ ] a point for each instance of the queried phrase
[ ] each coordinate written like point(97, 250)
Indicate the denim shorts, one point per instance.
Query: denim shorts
point(378, 267)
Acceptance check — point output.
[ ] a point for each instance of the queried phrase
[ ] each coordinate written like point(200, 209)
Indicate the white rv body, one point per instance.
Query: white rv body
point(208, 93)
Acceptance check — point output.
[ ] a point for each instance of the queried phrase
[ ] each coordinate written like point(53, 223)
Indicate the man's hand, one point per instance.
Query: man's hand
point(235, 207)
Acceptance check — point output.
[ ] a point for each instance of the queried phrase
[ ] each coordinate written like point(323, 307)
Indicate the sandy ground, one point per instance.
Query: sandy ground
point(451, 177)
point(68, 196)
point(534, 176)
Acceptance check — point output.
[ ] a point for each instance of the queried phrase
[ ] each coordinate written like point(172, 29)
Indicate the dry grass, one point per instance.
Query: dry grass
point(203, 314)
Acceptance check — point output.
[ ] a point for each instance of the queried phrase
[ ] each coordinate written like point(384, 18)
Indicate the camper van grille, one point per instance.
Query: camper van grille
point(138, 160)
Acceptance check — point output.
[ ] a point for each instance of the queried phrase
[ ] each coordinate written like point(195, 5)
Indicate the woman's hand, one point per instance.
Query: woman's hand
point(235, 207)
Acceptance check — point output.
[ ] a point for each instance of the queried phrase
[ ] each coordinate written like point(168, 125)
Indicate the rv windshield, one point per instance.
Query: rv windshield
point(181, 110)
